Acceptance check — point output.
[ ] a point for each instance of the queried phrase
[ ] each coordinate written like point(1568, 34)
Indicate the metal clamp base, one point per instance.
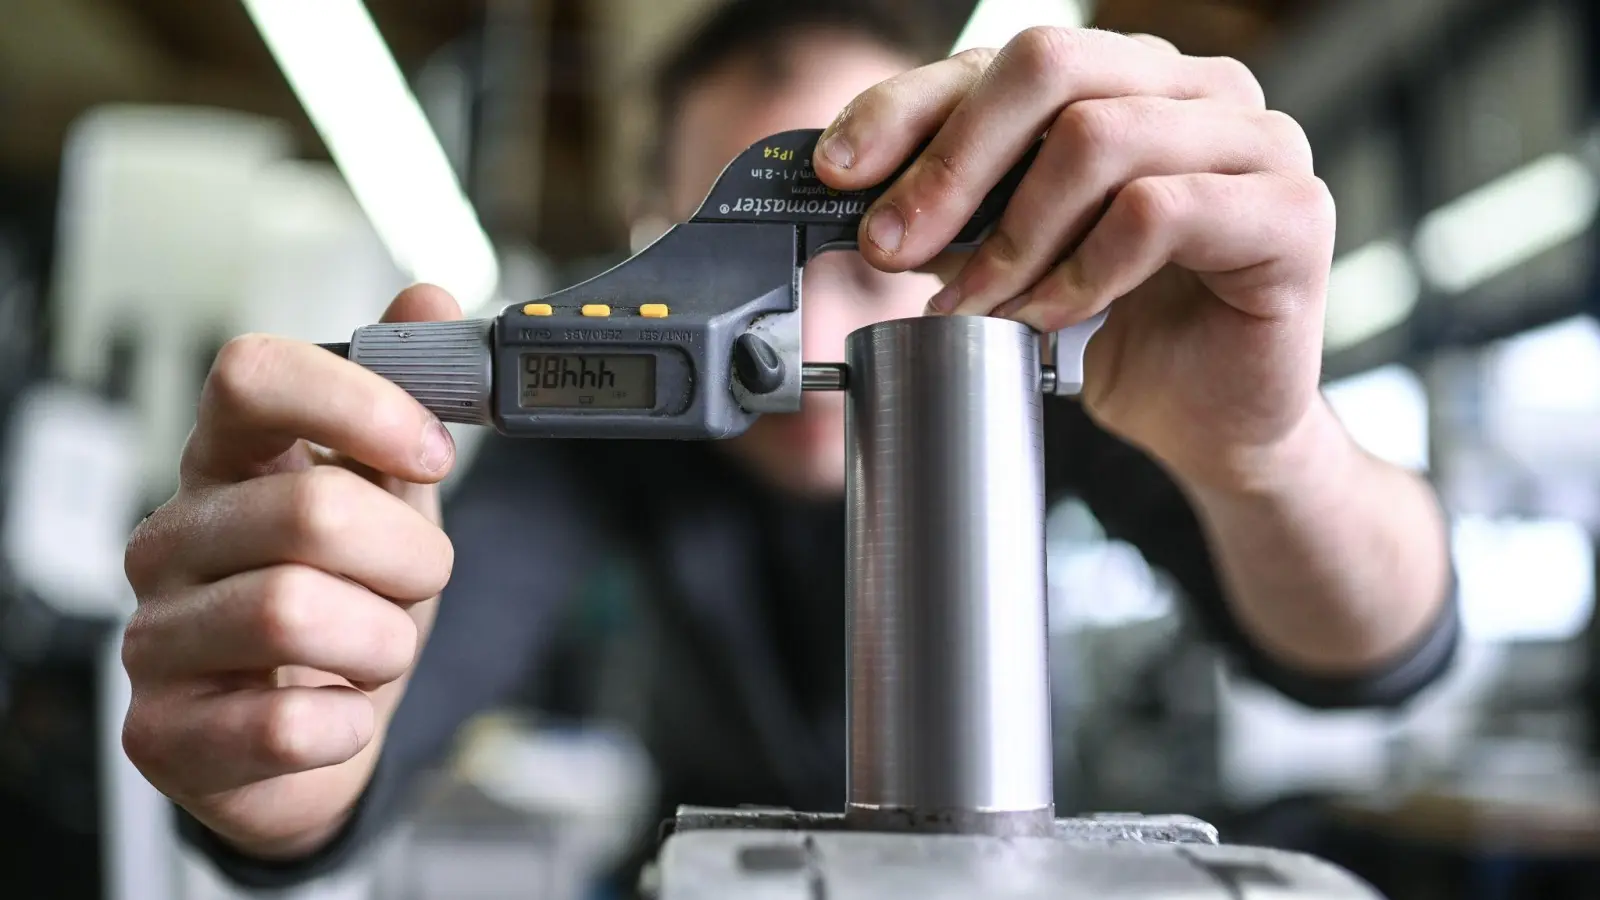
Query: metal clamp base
point(779, 854)
point(1166, 829)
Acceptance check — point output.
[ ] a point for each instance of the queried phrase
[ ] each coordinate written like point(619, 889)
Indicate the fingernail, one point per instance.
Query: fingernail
point(945, 300)
point(836, 150)
point(437, 447)
point(885, 228)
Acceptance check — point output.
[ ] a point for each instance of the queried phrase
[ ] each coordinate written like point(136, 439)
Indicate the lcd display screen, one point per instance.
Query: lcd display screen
point(588, 381)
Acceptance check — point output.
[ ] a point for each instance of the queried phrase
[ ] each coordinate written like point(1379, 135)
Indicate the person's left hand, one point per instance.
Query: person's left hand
point(1164, 189)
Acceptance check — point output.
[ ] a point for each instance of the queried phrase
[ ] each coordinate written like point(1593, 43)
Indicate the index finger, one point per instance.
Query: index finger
point(1042, 68)
point(265, 393)
point(1000, 116)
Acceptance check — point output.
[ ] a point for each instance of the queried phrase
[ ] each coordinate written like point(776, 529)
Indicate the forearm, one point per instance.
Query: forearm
point(1333, 561)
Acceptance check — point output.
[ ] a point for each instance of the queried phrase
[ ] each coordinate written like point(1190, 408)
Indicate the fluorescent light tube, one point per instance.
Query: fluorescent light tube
point(995, 22)
point(1370, 290)
point(355, 95)
point(1507, 222)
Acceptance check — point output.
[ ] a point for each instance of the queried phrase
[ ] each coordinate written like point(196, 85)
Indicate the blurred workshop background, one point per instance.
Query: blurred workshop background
point(173, 172)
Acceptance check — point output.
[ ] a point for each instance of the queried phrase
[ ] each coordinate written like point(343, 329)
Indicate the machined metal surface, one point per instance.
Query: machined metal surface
point(1101, 827)
point(949, 717)
point(808, 865)
point(824, 376)
point(1063, 373)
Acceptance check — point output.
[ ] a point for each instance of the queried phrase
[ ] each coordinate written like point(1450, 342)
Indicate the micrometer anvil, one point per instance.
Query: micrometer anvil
point(693, 337)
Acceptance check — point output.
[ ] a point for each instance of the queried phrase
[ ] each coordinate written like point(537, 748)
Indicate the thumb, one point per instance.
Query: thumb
point(422, 303)
point(418, 303)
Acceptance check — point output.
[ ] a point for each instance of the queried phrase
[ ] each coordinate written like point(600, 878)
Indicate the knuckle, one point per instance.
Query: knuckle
point(240, 366)
point(134, 651)
point(1322, 213)
point(1156, 41)
point(438, 576)
point(1001, 250)
point(286, 610)
point(1044, 53)
point(1311, 194)
point(145, 557)
point(287, 729)
point(939, 179)
point(1149, 204)
point(1094, 127)
point(862, 105)
point(1285, 133)
point(430, 566)
point(1239, 80)
point(137, 637)
point(141, 740)
point(394, 643)
point(319, 504)
point(976, 59)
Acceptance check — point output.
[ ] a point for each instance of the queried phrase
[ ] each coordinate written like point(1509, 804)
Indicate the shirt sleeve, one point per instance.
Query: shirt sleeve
point(521, 536)
point(1136, 501)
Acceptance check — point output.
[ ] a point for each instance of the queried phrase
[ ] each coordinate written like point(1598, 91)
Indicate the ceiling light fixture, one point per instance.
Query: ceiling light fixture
point(1496, 227)
point(339, 67)
point(995, 22)
point(1370, 290)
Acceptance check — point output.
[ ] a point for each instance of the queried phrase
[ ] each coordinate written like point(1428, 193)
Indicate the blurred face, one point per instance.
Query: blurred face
point(727, 112)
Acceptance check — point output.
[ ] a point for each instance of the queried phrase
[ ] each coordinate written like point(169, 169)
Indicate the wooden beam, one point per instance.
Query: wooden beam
point(58, 58)
point(73, 46)
point(217, 33)
point(577, 216)
point(417, 29)
point(1198, 27)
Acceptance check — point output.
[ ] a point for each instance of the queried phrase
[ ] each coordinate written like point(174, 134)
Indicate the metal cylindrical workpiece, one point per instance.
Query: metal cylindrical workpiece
point(949, 714)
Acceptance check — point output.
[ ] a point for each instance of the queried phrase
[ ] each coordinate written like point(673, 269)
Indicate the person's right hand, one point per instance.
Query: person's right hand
point(286, 588)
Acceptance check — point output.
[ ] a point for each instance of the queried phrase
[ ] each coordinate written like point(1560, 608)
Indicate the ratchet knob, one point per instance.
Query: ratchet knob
point(759, 367)
point(447, 366)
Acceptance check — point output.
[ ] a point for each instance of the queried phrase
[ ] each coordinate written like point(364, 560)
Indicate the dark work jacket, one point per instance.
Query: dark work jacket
point(728, 605)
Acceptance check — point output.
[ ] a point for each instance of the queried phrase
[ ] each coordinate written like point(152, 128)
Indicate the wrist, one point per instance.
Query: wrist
point(286, 848)
point(1313, 459)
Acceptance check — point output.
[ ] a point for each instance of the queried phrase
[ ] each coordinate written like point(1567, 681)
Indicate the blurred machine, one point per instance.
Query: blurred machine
point(177, 228)
point(180, 228)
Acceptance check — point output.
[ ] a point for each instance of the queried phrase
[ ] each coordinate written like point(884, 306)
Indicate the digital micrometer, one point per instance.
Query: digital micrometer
point(949, 768)
point(692, 338)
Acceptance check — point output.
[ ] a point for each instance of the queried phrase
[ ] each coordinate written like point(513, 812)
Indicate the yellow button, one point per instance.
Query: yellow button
point(536, 309)
point(653, 310)
point(596, 309)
